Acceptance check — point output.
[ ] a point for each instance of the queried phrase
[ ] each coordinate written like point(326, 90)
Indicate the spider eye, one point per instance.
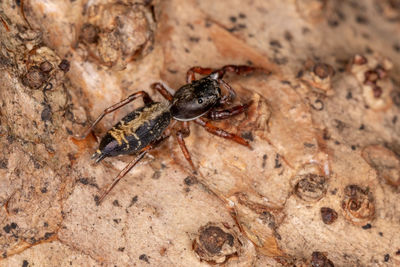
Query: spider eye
point(200, 101)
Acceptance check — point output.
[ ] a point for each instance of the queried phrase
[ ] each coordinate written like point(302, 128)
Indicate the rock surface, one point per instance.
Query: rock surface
point(320, 186)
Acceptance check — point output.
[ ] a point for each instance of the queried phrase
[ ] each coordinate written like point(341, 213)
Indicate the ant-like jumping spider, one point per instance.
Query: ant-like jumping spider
point(144, 128)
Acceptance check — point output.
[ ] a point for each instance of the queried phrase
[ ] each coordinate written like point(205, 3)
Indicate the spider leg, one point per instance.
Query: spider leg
point(190, 75)
point(146, 99)
point(227, 113)
point(162, 90)
point(221, 133)
point(226, 99)
point(180, 135)
point(238, 69)
point(128, 168)
point(120, 176)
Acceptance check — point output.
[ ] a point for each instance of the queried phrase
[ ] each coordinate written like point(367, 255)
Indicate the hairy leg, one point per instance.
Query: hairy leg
point(146, 99)
point(162, 90)
point(227, 113)
point(128, 168)
point(180, 135)
point(221, 133)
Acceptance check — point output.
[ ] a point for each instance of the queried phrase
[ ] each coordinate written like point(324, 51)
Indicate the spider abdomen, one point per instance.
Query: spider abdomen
point(135, 131)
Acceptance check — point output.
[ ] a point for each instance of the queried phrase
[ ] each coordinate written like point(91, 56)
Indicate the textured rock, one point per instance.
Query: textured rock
point(324, 129)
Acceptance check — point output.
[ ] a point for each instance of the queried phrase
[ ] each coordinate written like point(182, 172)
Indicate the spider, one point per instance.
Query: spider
point(146, 127)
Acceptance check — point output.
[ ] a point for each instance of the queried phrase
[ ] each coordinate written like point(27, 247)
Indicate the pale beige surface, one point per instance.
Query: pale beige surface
point(321, 135)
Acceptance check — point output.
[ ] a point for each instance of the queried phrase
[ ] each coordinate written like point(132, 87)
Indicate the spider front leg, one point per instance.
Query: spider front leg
point(146, 99)
point(238, 69)
point(190, 75)
point(221, 133)
point(162, 90)
point(227, 113)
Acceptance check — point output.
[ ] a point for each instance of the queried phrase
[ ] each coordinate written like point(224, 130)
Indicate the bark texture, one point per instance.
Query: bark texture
point(320, 186)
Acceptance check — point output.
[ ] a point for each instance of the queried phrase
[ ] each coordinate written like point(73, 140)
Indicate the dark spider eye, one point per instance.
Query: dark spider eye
point(200, 101)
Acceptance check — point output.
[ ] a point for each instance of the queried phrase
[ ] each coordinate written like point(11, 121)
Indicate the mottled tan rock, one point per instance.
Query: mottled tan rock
point(323, 126)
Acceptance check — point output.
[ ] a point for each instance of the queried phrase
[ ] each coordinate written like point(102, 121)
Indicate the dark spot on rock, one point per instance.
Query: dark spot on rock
point(133, 201)
point(117, 221)
point(367, 226)
point(268, 219)
point(190, 180)
point(116, 203)
point(242, 16)
point(280, 60)
point(353, 147)
point(233, 29)
point(288, 36)
point(25, 263)
point(45, 224)
point(46, 113)
point(144, 257)
point(349, 95)
point(361, 19)
point(248, 136)
point(64, 65)
point(340, 125)
point(46, 66)
point(194, 39)
point(318, 259)
point(305, 30)
point(380, 233)
point(275, 43)
point(190, 25)
point(121, 249)
point(89, 33)
point(362, 127)
point(300, 74)
point(328, 215)
point(43, 190)
point(7, 228)
point(213, 238)
point(396, 47)
point(333, 23)
point(3, 163)
point(48, 235)
point(156, 175)
point(396, 97)
point(386, 258)
point(326, 135)
point(277, 162)
point(309, 145)
point(264, 162)
point(84, 181)
point(232, 19)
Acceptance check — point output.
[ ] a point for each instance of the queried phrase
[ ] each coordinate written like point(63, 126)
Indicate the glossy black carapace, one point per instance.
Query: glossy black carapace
point(144, 128)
